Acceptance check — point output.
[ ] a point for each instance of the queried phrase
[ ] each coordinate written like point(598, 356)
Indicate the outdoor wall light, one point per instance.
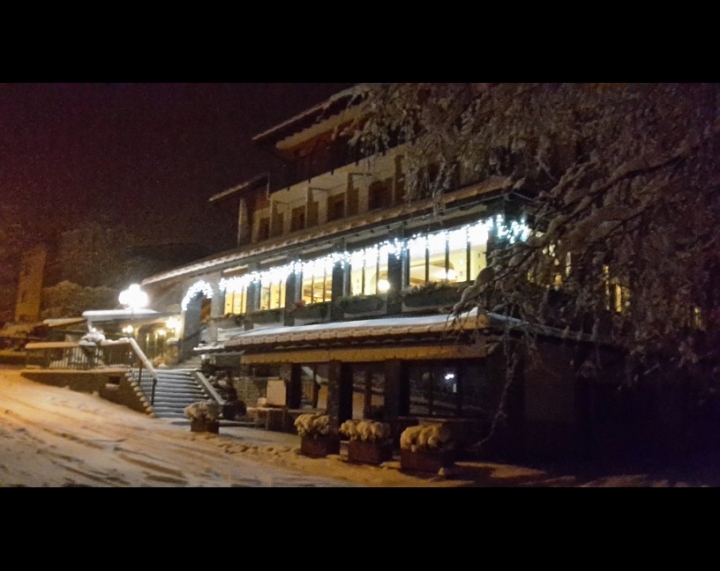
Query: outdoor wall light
point(173, 325)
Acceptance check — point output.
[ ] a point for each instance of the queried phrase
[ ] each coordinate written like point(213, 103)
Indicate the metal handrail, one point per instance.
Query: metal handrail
point(148, 365)
point(200, 378)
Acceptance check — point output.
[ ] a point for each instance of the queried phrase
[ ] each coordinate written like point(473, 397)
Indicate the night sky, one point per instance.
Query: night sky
point(145, 155)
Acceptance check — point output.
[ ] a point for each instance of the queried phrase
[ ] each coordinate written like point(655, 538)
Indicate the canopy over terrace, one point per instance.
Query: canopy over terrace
point(369, 340)
point(356, 354)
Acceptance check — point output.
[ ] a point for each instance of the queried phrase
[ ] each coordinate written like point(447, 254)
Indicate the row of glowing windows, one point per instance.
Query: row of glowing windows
point(453, 263)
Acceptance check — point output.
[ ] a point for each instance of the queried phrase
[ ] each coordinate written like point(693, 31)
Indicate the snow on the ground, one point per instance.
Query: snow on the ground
point(56, 437)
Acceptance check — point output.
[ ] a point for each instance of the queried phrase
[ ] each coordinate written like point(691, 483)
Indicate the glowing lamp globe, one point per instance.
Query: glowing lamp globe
point(133, 297)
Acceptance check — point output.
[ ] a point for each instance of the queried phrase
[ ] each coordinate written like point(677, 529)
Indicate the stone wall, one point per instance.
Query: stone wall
point(110, 384)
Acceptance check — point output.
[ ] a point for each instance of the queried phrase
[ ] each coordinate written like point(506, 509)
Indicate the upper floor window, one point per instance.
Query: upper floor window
point(456, 257)
point(369, 272)
point(272, 293)
point(317, 282)
point(236, 301)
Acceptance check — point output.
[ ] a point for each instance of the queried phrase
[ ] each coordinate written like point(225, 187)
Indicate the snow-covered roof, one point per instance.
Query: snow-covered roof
point(240, 187)
point(112, 314)
point(366, 328)
point(301, 118)
point(334, 229)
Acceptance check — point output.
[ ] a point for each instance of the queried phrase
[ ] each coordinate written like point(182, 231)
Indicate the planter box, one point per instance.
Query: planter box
point(438, 297)
point(425, 461)
point(197, 425)
point(359, 305)
point(369, 452)
point(316, 311)
point(267, 316)
point(320, 446)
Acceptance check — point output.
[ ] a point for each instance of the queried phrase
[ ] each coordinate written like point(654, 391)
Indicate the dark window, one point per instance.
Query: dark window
point(379, 195)
point(263, 229)
point(313, 214)
point(336, 207)
point(297, 219)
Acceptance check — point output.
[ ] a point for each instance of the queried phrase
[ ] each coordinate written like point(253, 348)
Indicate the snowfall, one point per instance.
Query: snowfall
point(55, 437)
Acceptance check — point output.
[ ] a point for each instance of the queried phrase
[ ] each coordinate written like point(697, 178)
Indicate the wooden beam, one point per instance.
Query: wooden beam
point(369, 354)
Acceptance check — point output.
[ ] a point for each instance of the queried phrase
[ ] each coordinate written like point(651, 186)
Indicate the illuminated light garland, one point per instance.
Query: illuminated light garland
point(196, 288)
point(474, 234)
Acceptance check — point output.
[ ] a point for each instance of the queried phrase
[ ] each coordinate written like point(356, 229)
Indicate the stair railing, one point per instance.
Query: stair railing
point(200, 378)
point(143, 362)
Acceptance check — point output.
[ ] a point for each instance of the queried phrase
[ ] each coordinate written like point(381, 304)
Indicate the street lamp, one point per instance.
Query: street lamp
point(133, 297)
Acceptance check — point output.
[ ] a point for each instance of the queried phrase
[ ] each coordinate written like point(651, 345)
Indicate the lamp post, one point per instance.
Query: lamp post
point(133, 298)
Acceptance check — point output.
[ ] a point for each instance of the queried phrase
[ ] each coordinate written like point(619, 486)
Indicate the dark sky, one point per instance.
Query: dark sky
point(147, 155)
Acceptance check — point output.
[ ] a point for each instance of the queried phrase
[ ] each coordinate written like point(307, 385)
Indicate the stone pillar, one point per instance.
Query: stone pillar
point(340, 393)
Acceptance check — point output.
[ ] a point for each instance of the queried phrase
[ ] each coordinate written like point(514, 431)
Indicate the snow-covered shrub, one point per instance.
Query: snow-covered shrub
point(208, 411)
point(366, 430)
point(92, 338)
point(313, 425)
point(422, 438)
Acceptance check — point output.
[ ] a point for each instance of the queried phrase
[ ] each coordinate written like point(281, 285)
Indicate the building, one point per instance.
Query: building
point(343, 289)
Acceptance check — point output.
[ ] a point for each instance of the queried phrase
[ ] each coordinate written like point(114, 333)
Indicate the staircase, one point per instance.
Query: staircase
point(175, 390)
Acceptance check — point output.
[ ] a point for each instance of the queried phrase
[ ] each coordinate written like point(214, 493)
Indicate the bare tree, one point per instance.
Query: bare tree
point(619, 185)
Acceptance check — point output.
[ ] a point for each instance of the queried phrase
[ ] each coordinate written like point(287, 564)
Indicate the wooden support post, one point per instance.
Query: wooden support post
point(340, 393)
point(397, 389)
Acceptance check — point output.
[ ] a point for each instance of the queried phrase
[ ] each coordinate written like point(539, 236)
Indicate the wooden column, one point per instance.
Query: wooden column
point(395, 279)
point(291, 296)
point(397, 389)
point(338, 286)
point(340, 393)
point(294, 385)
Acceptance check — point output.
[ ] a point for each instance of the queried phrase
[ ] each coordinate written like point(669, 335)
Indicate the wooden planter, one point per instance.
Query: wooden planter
point(437, 297)
point(425, 461)
point(314, 311)
point(359, 305)
point(198, 425)
point(266, 316)
point(320, 446)
point(360, 452)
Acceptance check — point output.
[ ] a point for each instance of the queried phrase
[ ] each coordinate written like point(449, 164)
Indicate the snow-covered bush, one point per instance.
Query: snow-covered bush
point(208, 411)
point(366, 430)
point(423, 438)
point(313, 425)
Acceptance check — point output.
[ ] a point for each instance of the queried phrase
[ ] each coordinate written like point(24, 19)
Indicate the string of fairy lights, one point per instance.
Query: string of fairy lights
point(473, 234)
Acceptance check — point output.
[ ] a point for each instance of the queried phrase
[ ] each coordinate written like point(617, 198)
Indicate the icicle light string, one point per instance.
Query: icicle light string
point(474, 234)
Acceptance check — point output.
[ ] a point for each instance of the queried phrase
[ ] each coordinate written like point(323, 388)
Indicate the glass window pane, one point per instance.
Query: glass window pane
point(416, 255)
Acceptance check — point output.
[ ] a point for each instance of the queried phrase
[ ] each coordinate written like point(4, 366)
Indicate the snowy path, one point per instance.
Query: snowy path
point(55, 437)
